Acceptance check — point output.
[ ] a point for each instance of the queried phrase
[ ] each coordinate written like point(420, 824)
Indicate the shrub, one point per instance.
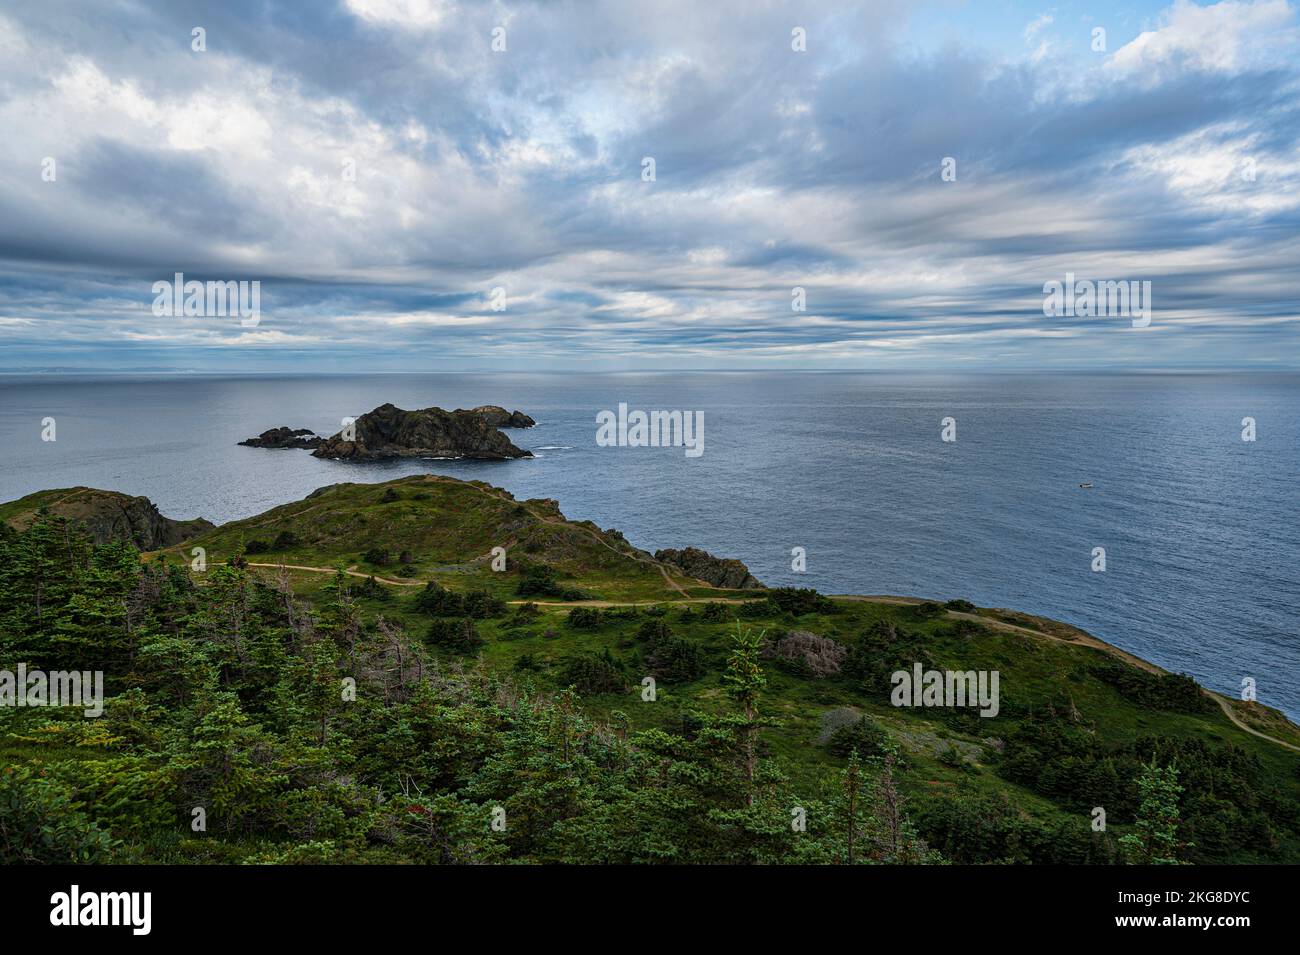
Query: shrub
point(862, 735)
point(537, 581)
point(459, 636)
point(592, 673)
point(540, 581)
point(41, 824)
point(256, 547)
point(524, 614)
point(373, 589)
point(798, 601)
point(480, 605)
point(928, 610)
point(962, 606)
point(1169, 691)
point(438, 601)
point(584, 618)
point(715, 611)
point(285, 540)
point(378, 556)
point(653, 630)
point(390, 495)
point(676, 659)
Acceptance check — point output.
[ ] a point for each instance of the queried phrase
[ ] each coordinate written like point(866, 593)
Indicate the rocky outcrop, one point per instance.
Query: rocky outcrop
point(285, 438)
point(391, 432)
point(109, 516)
point(498, 417)
point(718, 571)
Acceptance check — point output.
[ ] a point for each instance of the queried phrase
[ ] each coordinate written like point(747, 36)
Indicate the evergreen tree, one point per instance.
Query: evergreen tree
point(1154, 840)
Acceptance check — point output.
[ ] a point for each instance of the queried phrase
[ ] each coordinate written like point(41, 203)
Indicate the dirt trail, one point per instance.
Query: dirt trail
point(334, 570)
point(1084, 640)
point(353, 572)
point(1081, 639)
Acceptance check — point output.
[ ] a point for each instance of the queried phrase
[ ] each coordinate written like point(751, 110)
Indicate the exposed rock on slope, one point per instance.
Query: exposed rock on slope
point(718, 571)
point(391, 432)
point(498, 417)
point(285, 438)
point(108, 515)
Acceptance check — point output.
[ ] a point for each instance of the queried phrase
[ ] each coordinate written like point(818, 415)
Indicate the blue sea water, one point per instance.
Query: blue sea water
point(1200, 528)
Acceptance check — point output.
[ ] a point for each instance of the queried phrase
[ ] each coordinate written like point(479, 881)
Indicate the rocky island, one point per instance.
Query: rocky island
point(498, 417)
point(392, 432)
point(284, 437)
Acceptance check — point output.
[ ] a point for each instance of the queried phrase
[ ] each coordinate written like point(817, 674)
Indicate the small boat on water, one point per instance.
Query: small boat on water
point(1086, 486)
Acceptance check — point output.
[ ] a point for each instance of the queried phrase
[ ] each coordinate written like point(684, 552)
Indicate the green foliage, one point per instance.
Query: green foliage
point(584, 618)
point(372, 589)
point(1154, 840)
point(592, 673)
point(715, 611)
point(458, 636)
point(1168, 691)
point(285, 540)
point(317, 727)
point(41, 822)
point(437, 601)
point(799, 601)
point(539, 580)
point(1071, 766)
point(668, 657)
point(862, 736)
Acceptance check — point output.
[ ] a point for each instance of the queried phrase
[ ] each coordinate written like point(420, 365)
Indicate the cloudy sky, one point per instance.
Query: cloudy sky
point(1170, 156)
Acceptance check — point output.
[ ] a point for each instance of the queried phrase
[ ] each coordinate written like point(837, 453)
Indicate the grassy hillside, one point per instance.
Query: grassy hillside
point(395, 581)
point(427, 527)
point(106, 514)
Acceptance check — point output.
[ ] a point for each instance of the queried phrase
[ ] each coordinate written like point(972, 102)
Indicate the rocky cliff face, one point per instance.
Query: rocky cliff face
point(498, 417)
point(285, 438)
point(718, 571)
point(391, 432)
point(109, 515)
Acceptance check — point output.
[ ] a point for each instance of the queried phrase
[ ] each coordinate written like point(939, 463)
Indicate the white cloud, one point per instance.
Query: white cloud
point(1224, 37)
point(407, 14)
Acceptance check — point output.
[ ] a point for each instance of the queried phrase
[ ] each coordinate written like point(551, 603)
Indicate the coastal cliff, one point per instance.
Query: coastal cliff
point(718, 571)
point(106, 516)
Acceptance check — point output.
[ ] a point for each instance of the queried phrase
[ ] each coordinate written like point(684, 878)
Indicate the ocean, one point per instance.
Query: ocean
point(1200, 528)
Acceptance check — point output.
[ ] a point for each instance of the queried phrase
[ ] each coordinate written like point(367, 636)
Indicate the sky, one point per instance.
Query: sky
point(920, 170)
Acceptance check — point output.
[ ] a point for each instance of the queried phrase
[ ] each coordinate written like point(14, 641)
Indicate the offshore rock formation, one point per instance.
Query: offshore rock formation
point(391, 432)
point(718, 571)
point(285, 438)
point(107, 516)
point(498, 417)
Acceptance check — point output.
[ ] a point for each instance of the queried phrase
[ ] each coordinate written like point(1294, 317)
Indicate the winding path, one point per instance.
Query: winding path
point(1082, 639)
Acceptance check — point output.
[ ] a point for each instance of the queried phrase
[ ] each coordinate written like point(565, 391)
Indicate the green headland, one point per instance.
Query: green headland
point(428, 670)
